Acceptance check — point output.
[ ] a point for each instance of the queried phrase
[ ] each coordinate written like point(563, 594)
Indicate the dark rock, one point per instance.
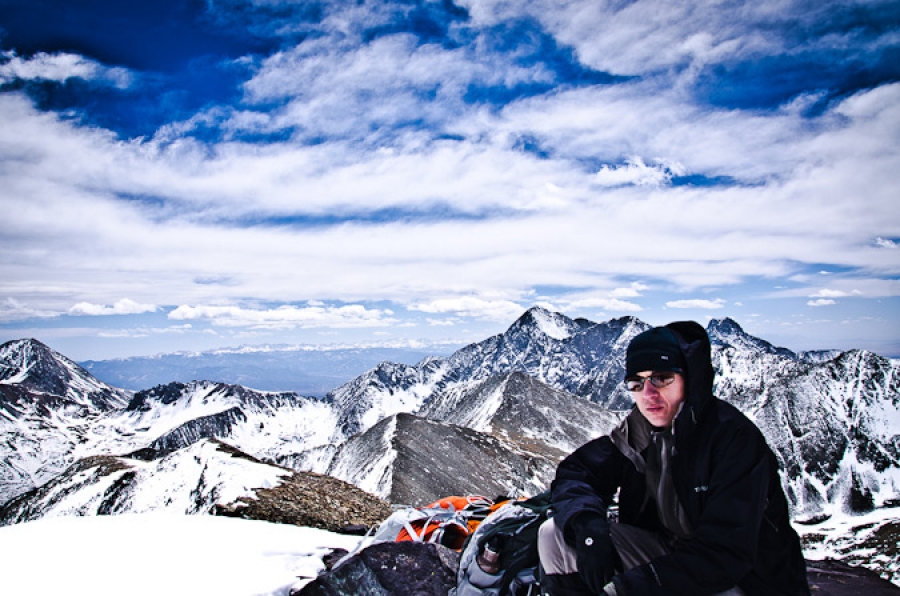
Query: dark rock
point(835, 578)
point(312, 500)
point(390, 569)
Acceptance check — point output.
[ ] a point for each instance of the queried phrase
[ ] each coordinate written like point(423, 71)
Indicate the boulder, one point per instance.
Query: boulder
point(390, 569)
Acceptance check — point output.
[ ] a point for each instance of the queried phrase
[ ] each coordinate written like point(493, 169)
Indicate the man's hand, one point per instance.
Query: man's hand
point(594, 551)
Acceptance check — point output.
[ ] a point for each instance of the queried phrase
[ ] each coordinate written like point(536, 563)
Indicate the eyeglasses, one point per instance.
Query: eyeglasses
point(658, 380)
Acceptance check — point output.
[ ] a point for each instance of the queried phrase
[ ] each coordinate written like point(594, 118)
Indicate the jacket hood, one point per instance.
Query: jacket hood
point(694, 343)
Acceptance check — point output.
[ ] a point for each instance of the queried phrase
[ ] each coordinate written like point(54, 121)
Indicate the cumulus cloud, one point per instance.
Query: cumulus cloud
point(633, 290)
point(125, 306)
point(821, 302)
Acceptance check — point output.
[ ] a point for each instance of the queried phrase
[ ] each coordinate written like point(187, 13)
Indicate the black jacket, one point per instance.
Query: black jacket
point(727, 481)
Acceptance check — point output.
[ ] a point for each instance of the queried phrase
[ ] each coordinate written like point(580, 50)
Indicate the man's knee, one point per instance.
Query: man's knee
point(557, 557)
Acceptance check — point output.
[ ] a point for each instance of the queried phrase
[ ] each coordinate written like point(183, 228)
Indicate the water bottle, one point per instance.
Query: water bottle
point(489, 558)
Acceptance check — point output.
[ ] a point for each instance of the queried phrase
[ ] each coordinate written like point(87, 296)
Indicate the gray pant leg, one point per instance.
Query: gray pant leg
point(557, 557)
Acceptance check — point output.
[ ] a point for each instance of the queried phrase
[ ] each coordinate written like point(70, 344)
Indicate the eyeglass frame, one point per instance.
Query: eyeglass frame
point(659, 380)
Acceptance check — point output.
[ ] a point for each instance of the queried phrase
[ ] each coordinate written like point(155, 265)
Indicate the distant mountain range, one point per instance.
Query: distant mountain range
point(306, 370)
point(493, 417)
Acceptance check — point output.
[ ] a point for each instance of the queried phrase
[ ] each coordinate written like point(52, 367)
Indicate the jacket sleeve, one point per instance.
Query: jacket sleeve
point(585, 482)
point(723, 545)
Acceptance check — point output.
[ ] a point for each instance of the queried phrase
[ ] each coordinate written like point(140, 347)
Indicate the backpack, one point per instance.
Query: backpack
point(511, 531)
point(448, 521)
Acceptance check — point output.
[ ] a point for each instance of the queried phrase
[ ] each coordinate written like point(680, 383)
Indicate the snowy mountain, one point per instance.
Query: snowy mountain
point(503, 435)
point(35, 380)
point(835, 425)
point(492, 417)
point(582, 358)
point(834, 422)
point(54, 413)
point(48, 405)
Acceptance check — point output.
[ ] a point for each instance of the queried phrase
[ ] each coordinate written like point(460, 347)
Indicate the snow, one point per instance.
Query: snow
point(850, 537)
point(161, 553)
point(551, 325)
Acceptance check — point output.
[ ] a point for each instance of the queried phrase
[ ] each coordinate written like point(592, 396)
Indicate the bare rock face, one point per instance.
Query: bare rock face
point(390, 569)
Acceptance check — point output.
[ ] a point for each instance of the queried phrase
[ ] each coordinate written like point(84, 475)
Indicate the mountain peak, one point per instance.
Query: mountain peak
point(728, 332)
point(34, 375)
point(724, 326)
point(26, 360)
point(552, 324)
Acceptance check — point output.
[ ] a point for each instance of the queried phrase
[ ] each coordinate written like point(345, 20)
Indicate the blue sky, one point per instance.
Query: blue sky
point(185, 175)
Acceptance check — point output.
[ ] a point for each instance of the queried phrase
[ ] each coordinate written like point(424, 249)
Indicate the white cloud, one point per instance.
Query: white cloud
point(885, 243)
point(441, 322)
point(826, 293)
point(636, 172)
point(821, 302)
point(141, 331)
point(125, 306)
point(337, 86)
point(653, 36)
point(634, 290)
point(13, 310)
point(59, 67)
point(696, 303)
point(286, 316)
point(525, 222)
point(471, 306)
point(606, 304)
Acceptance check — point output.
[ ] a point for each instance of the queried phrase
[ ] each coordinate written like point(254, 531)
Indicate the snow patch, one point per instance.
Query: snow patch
point(162, 553)
point(551, 325)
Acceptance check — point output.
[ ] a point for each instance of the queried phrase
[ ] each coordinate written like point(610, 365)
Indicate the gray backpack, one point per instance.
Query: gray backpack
point(511, 533)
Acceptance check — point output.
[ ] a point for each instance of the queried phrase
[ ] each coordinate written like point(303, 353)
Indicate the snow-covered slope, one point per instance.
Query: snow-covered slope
point(835, 425)
point(190, 480)
point(47, 407)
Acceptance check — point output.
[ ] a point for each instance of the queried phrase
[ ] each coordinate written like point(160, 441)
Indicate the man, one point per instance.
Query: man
point(701, 508)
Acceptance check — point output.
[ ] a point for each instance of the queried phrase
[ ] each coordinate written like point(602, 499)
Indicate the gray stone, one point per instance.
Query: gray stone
point(390, 569)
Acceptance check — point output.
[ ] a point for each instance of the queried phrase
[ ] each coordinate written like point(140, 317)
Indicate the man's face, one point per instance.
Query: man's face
point(659, 405)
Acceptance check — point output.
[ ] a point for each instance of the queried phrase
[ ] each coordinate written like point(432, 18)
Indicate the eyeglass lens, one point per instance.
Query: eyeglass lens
point(659, 381)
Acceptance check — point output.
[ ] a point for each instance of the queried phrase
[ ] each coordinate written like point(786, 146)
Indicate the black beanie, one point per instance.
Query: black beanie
point(656, 350)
